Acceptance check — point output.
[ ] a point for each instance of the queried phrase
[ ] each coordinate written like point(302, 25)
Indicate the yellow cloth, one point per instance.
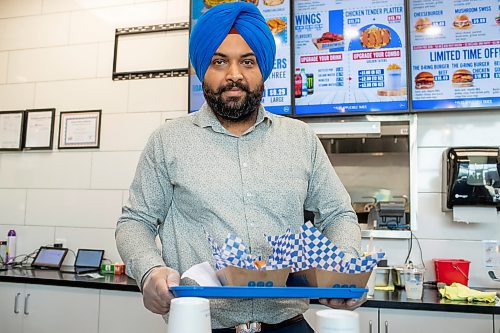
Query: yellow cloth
point(459, 292)
point(385, 288)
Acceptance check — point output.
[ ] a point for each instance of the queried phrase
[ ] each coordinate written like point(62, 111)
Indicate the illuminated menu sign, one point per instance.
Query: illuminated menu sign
point(455, 53)
point(349, 56)
point(277, 95)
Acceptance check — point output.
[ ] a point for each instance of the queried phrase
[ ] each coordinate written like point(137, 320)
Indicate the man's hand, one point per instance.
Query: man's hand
point(343, 304)
point(156, 295)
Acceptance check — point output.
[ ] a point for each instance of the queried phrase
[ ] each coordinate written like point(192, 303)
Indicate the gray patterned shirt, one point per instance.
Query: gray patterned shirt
point(195, 176)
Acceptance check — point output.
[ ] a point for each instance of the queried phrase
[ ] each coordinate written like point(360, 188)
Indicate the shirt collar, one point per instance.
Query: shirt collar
point(206, 118)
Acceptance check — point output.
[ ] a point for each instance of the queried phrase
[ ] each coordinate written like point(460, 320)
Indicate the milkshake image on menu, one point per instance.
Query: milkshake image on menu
point(393, 77)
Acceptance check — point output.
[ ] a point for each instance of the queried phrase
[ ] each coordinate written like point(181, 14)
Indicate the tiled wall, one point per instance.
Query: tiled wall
point(59, 53)
point(438, 235)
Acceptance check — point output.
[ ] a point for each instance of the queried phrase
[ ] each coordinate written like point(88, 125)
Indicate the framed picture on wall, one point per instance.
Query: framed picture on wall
point(79, 129)
point(11, 130)
point(39, 129)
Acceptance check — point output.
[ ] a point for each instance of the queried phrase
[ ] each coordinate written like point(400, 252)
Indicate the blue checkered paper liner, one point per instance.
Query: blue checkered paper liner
point(288, 250)
point(364, 264)
point(232, 253)
point(311, 249)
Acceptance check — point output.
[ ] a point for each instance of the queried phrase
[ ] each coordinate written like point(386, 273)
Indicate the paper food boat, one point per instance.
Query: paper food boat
point(315, 277)
point(236, 276)
point(327, 46)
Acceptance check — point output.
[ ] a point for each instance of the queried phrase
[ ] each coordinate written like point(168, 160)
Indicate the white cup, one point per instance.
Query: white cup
point(189, 315)
point(337, 321)
point(414, 283)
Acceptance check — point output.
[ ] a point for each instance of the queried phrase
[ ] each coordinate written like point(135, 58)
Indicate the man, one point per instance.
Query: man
point(232, 168)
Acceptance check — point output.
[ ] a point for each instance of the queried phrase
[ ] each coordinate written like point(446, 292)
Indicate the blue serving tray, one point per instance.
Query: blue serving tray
point(267, 292)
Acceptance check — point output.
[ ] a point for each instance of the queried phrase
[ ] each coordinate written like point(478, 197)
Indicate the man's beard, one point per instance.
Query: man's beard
point(234, 108)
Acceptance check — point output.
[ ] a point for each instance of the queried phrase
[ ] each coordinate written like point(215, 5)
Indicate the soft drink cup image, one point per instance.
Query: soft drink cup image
point(393, 79)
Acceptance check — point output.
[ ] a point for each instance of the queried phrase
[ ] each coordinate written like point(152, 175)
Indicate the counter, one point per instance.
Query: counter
point(381, 299)
point(56, 278)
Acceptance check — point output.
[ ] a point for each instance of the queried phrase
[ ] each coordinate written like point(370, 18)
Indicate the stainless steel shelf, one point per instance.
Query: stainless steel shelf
point(394, 234)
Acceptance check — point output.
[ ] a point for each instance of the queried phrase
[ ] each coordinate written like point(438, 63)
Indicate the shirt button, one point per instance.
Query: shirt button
point(245, 165)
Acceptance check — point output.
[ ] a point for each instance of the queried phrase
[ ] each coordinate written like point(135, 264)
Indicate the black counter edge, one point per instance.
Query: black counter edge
point(463, 308)
point(68, 283)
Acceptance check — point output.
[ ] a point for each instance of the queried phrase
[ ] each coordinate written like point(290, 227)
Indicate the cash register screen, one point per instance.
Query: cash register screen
point(49, 257)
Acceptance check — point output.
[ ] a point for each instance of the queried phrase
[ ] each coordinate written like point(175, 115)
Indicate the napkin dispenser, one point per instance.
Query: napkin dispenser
point(471, 177)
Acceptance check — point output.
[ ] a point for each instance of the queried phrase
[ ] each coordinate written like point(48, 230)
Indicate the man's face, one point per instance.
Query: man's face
point(233, 84)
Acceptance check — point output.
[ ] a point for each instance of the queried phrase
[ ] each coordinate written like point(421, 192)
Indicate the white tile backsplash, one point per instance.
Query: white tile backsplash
point(73, 208)
point(16, 96)
point(15, 8)
point(127, 131)
point(478, 128)
point(29, 238)
point(12, 206)
point(88, 238)
point(50, 6)
point(433, 223)
point(34, 31)
point(429, 169)
point(57, 63)
point(178, 11)
point(468, 250)
point(99, 25)
point(167, 94)
point(105, 60)
point(4, 57)
point(114, 170)
point(90, 94)
point(45, 170)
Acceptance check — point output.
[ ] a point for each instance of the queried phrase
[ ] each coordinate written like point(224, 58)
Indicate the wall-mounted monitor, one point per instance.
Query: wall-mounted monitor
point(277, 95)
point(455, 54)
point(350, 57)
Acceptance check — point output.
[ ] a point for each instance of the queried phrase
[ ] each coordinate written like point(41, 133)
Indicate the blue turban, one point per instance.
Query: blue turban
point(213, 27)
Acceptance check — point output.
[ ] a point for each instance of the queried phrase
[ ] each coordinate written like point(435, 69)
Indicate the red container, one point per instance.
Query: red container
point(452, 270)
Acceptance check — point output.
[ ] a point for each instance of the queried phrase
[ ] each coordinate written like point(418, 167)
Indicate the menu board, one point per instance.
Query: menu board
point(350, 56)
point(277, 95)
point(455, 53)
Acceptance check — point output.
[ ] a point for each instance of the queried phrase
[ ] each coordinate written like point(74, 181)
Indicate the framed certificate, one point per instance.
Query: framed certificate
point(11, 130)
point(79, 129)
point(39, 129)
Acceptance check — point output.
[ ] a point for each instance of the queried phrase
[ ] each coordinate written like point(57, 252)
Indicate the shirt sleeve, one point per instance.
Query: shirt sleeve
point(150, 197)
point(328, 199)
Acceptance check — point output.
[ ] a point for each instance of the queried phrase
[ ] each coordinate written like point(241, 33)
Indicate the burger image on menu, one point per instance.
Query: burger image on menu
point(424, 80)
point(422, 24)
point(462, 78)
point(497, 19)
point(462, 21)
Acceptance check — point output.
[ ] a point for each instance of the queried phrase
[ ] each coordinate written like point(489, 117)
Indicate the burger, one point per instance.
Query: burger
point(422, 24)
point(462, 78)
point(497, 19)
point(462, 21)
point(424, 80)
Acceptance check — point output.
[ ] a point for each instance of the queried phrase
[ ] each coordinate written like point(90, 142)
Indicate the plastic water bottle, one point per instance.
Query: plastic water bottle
point(11, 247)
